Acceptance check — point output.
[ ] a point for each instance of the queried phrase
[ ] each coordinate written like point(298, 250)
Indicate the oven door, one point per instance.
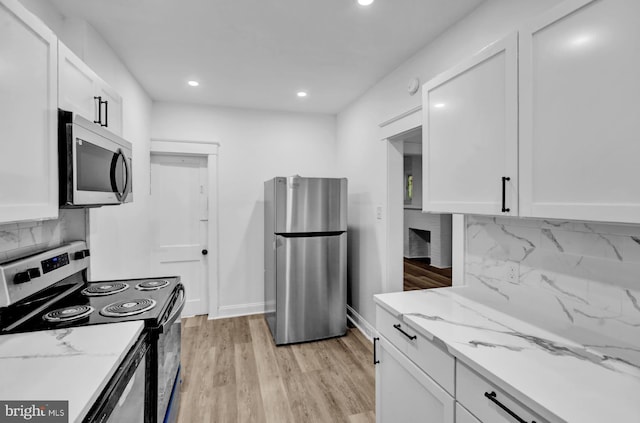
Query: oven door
point(124, 398)
point(168, 353)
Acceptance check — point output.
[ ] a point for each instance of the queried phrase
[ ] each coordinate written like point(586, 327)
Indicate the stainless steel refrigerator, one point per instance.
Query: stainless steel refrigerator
point(305, 255)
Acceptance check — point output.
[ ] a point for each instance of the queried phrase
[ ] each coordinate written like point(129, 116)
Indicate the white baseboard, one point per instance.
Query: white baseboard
point(239, 310)
point(362, 325)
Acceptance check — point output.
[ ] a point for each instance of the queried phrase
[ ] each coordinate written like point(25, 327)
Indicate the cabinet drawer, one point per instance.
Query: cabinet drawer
point(470, 392)
point(406, 394)
point(463, 416)
point(387, 325)
point(434, 361)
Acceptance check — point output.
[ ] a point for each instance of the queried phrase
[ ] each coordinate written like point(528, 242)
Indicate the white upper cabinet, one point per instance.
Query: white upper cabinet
point(470, 135)
point(82, 91)
point(28, 106)
point(580, 112)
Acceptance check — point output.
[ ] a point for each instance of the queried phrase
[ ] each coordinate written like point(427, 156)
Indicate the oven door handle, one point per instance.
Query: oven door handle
point(177, 309)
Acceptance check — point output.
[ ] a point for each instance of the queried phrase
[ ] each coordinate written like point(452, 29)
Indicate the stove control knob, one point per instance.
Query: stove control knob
point(79, 255)
point(27, 275)
point(21, 277)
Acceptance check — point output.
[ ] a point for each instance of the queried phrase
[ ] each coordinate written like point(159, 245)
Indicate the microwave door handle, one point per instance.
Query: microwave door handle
point(114, 182)
point(127, 176)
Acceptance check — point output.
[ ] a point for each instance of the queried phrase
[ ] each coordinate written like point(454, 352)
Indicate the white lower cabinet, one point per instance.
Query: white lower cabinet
point(418, 380)
point(406, 394)
point(463, 416)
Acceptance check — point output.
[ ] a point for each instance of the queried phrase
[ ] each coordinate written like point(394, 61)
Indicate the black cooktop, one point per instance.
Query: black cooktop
point(103, 298)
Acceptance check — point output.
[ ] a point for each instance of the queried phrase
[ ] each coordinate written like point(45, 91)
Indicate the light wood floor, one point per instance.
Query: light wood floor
point(418, 274)
point(233, 372)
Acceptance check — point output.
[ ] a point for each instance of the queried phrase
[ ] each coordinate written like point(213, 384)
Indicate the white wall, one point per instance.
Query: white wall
point(363, 156)
point(254, 146)
point(117, 235)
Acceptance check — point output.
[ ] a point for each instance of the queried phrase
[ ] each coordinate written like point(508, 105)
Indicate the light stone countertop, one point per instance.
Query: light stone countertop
point(71, 364)
point(595, 381)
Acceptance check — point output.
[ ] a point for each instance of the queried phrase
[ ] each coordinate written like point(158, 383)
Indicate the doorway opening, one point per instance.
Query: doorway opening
point(427, 237)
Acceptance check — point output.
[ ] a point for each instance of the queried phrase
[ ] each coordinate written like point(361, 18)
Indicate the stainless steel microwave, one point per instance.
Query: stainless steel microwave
point(94, 164)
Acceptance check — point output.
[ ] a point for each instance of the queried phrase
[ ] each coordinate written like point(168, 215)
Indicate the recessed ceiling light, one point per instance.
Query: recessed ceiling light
point(302, 94)
point(365, 2)
point(439, 105)
point(193, 83)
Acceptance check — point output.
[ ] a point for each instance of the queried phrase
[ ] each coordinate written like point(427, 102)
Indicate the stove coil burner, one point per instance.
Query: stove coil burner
point(101, 290)
point(68, 314)
point(128, 307)
point(152, 285)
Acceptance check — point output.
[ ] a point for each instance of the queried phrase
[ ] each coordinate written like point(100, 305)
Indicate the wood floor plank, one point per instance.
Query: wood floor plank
point(307, 357)
point(248, 395)
point(275, 400)
point(368, 417)
point(264, 350)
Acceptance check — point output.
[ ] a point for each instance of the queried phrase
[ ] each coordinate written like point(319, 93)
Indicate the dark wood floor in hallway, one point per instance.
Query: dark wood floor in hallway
point(233, 372)
point(418, 274)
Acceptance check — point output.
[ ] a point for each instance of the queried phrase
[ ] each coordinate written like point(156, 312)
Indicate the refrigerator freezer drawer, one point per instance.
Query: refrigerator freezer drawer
point(311, 288)
point(304, 205)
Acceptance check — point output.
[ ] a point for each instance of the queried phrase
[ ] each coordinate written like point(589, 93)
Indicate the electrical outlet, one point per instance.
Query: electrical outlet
point(513, 271)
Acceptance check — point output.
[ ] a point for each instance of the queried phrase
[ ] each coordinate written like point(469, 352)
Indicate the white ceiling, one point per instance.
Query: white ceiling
point(259, 53)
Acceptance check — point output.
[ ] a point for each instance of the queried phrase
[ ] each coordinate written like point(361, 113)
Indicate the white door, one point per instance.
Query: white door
point(470, 135)
point(404, 393)
point(579, 112)
point(179, 210)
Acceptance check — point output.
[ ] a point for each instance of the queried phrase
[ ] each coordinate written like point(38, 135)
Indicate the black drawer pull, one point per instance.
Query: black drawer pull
point(412, 337)
point(492, 396)
point(505, 209)
point(375, 356)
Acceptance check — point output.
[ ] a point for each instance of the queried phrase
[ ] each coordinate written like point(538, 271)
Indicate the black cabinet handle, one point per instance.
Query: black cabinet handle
point(106, 114)
point(375, 356)
point(492, 397)
point(106, 111)
point(412, 337)
point(99, 106)
point(205, 252)
point(505, 209)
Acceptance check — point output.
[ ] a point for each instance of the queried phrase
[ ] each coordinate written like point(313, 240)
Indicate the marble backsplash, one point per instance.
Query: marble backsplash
point(20, 239)
point(574, 278)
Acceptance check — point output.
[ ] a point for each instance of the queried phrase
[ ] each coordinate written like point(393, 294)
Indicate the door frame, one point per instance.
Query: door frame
point(209, 150)
point(393, 132)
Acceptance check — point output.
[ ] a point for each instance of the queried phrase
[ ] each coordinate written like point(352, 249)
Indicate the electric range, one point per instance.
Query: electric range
point(49, 290)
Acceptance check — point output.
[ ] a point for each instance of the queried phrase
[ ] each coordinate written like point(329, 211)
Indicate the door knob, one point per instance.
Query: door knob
point(205, 252)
